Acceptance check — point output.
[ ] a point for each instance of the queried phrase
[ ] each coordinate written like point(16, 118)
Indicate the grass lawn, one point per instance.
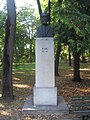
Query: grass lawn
point(23, 82)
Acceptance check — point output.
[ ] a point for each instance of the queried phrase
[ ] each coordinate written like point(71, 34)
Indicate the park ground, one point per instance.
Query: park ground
point(23, 82)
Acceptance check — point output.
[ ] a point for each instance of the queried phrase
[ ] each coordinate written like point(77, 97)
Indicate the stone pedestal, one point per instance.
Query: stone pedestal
point(45, 92)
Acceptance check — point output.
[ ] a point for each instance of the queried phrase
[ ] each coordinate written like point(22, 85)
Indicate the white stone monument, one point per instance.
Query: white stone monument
point(45, 92)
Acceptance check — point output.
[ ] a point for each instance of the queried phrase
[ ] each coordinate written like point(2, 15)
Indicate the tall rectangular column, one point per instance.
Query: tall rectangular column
point(45, 92)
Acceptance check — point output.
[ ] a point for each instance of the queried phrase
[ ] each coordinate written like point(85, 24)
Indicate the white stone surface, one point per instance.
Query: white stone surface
point(45, 92)
point(45, 96)
point(45, 62)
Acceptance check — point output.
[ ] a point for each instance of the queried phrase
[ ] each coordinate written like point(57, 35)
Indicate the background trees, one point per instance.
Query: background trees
point(25, 35)
point(2, 32)
point(71, 26)
point(71, 23)
point(7, 88)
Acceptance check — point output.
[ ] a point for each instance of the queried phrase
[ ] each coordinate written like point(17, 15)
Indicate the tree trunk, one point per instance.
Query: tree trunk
point(31, 52)
point(49, 9)
point(39, 8)
point(58, 49)
point(30, 39)
point(57, 58)
point(69, 55)
point(76, 64)
point(83, 60)
point(7, 88)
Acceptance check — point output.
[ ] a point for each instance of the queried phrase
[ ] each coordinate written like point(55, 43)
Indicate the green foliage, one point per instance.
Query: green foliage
point(2, 31)
point(25, 35)
point(71, 21)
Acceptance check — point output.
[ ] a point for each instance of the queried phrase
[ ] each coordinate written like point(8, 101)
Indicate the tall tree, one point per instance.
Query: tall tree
point(49, 9)
point(72, 14)
point(69, 55)
point(7, 87)
point(2, 31)
point(57, 56)
point(76, 64)
point(39, 7)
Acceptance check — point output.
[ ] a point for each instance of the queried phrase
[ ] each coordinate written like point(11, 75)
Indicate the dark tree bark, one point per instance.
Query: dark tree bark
point(39, 7)
point(69, 55)
point(49, 9)
point(40, 10)
point(7, 87)
point(30, 39)
point(58, 49)
point(76, 65)
point(57, 58)
point(30, 52)
point(83, 60)
point(31, 43)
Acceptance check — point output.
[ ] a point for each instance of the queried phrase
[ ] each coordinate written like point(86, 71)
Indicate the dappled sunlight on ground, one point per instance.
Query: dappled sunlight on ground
point(33, 69)
point(83, 69)
point(1, 105)
point(16, 78)
point(23, 82)
point(83, 90)
point(5, 113)
point(67, 87)
point(68, 75)
point(22, 86)
point(85, 74)
point(18, 72)
point(86, 69)
point(27, 69)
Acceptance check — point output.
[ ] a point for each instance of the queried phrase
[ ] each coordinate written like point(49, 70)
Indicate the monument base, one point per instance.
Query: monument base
point(45, 96)
point(30, 109)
